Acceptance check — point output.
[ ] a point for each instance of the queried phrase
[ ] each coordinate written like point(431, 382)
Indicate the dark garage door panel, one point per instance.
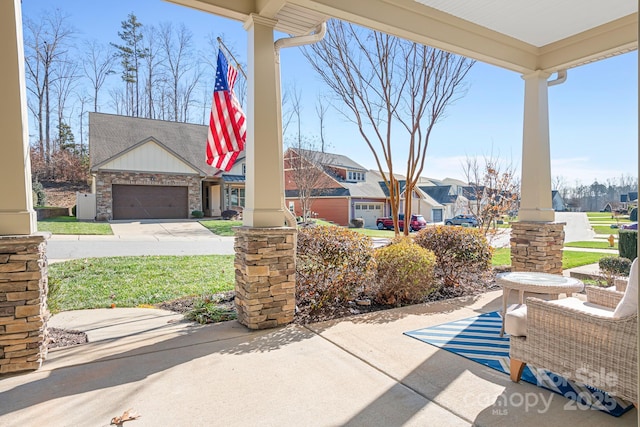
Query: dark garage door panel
point(149, 202)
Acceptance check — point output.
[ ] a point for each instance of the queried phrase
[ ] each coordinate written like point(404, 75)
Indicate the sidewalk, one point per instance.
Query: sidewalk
point(358, 371)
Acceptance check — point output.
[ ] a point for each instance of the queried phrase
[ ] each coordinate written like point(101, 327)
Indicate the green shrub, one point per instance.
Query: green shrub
point(612, 267)
point(405, 272)
point(462, 253)
point(197, 214)
point(628, 243)
point(39, 196)
point(615, 265)
point(333, 263)
point(633, 215)
point(357, 223)
point(210, 311)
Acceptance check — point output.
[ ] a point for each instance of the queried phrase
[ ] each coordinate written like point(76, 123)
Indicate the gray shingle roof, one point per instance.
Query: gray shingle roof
point(336, 160)
point(110, 135)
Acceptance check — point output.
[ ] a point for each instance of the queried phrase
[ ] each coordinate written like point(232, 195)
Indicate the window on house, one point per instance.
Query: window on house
point(235, 197)
point(355, 176)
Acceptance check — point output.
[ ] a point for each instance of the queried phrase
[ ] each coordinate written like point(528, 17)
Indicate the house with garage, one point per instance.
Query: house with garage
point(345, 190)
point(155, 169)
point(348, 190)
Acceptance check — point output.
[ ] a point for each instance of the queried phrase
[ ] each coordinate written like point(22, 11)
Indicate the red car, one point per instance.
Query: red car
point(417, 223)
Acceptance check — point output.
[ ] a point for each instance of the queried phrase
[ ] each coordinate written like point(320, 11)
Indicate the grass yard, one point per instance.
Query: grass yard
point(501, 256)
point(570, 259)
point(592, 245)
point(134, 281)
point(70, 225)
point(605, 229)
point(221, 227)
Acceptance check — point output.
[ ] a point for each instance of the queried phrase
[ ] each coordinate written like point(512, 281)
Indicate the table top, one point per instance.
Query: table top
point(527, 280)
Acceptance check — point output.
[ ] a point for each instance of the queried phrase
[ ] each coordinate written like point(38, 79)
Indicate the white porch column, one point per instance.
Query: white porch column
point(17, 216)
point(535, 202)
point(264, 186)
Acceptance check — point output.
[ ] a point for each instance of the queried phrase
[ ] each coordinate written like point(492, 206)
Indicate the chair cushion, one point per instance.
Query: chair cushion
point(628, 305)
point(515, 321)
point(583, 306)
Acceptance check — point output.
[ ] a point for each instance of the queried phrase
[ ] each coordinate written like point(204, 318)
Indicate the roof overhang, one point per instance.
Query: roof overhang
point(543, 35)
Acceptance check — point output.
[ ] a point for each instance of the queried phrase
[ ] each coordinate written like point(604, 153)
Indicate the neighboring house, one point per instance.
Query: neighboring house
point(347, 190)
point(448, 196)
point(146, 169)
point(557, 202)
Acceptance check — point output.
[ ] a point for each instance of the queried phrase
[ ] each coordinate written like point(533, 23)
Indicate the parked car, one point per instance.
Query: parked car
point(633, 226)
point(417, 223)
point(469, 220)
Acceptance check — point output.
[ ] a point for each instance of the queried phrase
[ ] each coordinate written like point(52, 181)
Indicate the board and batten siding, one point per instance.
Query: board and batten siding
point(149, 157)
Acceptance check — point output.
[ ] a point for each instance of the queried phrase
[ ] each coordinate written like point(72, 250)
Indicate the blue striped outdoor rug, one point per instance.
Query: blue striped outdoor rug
point(478, 339)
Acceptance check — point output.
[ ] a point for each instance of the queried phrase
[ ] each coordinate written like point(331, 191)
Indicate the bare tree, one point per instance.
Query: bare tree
point(385, 81)
point(64, 81)
point(152, 74)
point(175, 45)
point(303, 169)
point(46, 44)
point(321, 110)
point(97, 65)
point(493, 189)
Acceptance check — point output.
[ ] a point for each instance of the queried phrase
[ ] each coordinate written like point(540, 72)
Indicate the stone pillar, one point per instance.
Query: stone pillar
point(23, 305)
point(265, 276)
point(537, 246)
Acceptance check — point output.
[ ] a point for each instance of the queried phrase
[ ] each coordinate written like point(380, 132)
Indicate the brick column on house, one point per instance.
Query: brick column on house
point(23, 302)
point(265, 276)
point(537, 246)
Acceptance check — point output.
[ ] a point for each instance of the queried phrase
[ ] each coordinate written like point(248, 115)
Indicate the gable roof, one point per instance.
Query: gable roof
point(439, 193)
point(331, 159)
point(111, 135)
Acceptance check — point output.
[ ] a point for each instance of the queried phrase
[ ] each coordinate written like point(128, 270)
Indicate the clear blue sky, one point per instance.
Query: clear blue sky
point(593, 115)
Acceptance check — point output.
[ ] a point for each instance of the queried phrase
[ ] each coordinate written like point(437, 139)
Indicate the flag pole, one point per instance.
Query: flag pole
point(238, 66)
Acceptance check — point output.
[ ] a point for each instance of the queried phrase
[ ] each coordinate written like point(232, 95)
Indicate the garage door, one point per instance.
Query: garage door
point(149, 202)
point(369, 212)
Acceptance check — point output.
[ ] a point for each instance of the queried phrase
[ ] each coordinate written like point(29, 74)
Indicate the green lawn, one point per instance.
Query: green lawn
point(221, 227)
point(70, 225)
point(134, 281)
point(592, 244)
point(605, 229)
point(501, 256)
point(570, 259)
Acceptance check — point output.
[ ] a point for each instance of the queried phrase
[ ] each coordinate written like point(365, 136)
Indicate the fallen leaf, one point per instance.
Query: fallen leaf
point(128, 415)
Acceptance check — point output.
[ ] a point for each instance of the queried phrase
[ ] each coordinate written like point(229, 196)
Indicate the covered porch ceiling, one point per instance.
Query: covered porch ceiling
point(522, 36)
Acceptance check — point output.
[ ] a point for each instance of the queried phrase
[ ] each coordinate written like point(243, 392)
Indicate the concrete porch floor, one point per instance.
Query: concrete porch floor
point(358, 371)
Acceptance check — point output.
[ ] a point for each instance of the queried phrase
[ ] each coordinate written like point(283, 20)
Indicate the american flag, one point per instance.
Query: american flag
point(227, 124)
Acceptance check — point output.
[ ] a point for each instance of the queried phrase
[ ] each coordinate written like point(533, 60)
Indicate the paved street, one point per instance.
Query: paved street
point(133, 238)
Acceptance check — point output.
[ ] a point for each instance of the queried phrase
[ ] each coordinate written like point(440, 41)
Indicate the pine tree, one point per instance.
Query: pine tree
point(130, 54)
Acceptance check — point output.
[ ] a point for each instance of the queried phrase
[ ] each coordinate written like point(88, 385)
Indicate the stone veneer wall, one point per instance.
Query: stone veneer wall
point(265, 276)
point(537, 246)
point(104, 181)
point(23, 302)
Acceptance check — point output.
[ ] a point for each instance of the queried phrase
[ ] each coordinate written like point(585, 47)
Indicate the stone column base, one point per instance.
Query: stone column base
point(265, 276)
point(537, 246)
point(23, 302)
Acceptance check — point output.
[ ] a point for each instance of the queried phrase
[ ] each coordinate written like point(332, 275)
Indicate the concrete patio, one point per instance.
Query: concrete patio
point(355, 371)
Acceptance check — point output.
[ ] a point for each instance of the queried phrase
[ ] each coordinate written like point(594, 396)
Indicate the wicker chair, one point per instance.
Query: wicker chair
point(580, 345)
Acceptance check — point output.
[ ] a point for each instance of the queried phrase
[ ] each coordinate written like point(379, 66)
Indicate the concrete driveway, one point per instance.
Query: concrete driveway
point(146, 237)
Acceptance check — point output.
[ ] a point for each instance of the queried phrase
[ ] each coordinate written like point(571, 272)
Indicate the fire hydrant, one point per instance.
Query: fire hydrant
point(610, 239)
